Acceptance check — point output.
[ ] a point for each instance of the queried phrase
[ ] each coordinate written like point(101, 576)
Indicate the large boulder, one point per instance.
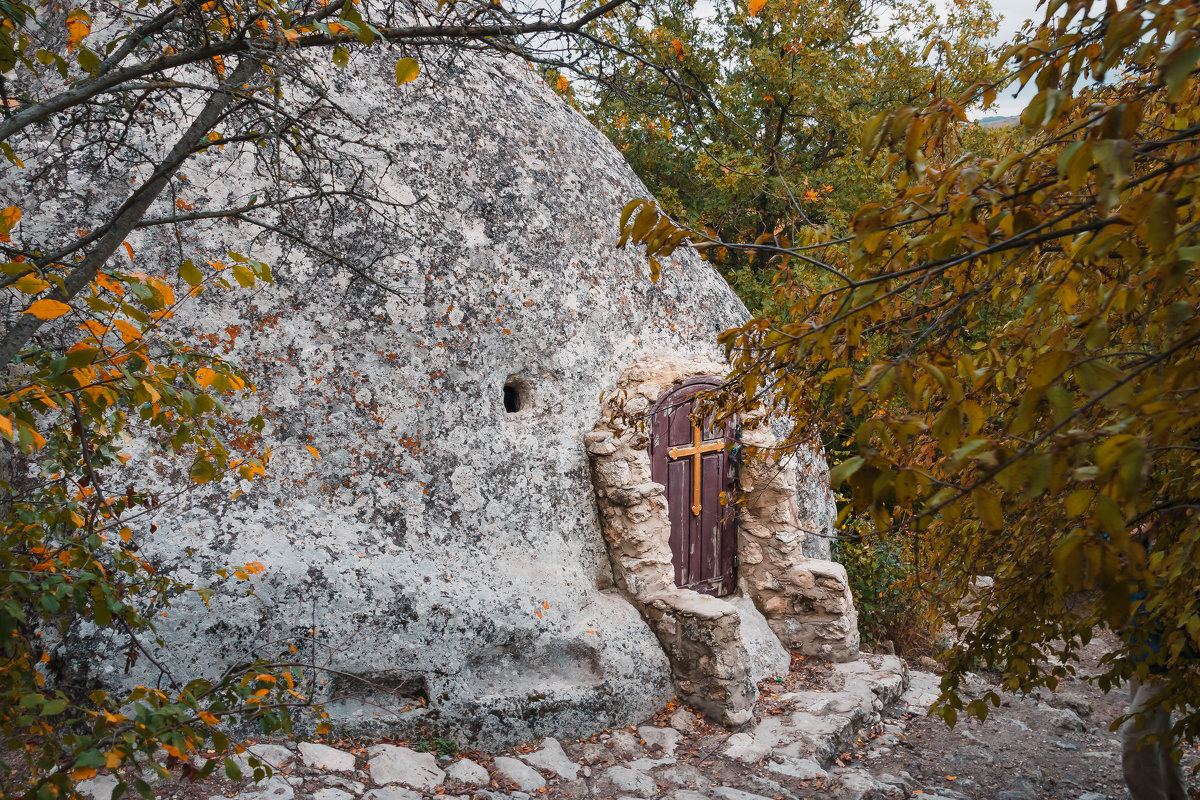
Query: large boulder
point(443, 558)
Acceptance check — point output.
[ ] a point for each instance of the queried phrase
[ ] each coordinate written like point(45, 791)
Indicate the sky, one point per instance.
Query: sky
point(1014, 13)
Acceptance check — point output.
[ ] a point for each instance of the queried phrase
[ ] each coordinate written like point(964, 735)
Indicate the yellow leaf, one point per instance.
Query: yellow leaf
point(29, 284)
point(48, 309)
point(755, 6)
point(313, 450)
point(6, 427)
point(407, 69)
point(205, 377)
point(563, 85)
point(112, 759)
point(83, 773)
point(207, 718)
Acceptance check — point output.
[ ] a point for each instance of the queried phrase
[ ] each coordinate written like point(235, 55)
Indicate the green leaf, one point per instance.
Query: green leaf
point(987, 506)
point(1177, 69)
point(188, 271)
point(341, 57)
point(407, 69)
point(244, 275)
point(839, 474)
point(89, 61)
point(232, 770)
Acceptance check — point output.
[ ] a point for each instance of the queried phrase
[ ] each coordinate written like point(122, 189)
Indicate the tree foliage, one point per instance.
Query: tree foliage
point(1010, 344)
point(743, 119)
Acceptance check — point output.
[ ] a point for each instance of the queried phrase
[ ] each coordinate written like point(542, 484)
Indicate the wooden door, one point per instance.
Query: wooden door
point(692, 462)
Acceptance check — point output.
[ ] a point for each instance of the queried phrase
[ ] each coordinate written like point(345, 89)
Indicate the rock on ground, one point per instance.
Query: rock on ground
point(322, 756)
point(520, 773)
point(391, 764)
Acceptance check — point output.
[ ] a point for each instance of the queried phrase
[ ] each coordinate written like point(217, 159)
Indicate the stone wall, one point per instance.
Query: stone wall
point(719, 647)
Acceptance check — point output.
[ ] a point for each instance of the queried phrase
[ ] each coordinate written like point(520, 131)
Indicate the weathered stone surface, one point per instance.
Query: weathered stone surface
point(97, 788)
point(623, 744)
point(804, 769)
point(392, 793)
point(747, 748)
point(525, 776)
point(322, 756)
point(467, 771)
point(630, 780)
point(552, 757)
point(857, 784)
point(662, 740)
point(719, 648)
point(275, 755)
point(390, 764)
point(683, 720)
point(331, 793)
point(274, 788)
point(392, 363)
point(728, 793)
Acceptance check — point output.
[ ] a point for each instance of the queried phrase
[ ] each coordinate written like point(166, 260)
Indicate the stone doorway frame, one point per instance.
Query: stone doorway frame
point(718, 647)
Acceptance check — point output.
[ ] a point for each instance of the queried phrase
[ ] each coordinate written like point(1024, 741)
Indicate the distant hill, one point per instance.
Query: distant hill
point(998, 122)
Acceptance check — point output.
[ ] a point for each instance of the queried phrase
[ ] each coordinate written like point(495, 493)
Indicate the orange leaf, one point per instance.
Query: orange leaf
point(755, 6)
point(9, 216)
point(129, 249)
point(6, 427)
point(313, 450)
point(205, 376)
point(128, 332)
point(79, 25)
point(83, 773)
point(48, 309)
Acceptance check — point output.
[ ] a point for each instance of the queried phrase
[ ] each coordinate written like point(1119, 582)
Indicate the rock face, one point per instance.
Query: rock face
point(444, 556)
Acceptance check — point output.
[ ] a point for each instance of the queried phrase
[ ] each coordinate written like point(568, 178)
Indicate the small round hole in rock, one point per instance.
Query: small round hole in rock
point(512, 398)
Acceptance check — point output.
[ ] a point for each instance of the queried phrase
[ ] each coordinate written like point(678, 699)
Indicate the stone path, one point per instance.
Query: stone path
point(852, 731)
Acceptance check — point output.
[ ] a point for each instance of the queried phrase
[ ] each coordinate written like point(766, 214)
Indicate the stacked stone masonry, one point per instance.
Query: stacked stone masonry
point(719, 648)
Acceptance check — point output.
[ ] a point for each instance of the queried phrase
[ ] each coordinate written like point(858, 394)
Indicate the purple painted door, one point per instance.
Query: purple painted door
point(692, 462)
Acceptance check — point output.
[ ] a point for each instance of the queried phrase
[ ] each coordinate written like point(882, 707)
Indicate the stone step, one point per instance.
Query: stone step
point(823, 723)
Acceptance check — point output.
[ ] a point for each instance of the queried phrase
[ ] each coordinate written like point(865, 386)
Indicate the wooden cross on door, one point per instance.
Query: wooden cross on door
point(695, 452)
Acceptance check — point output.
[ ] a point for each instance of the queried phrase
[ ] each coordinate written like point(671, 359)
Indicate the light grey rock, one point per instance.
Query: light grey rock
point(595, 753)
point(744, 747)
point(295, 781)
point(330, 793)
point(944, 791)
point(663, 740)
point(683, 720)
point(647, 764)
point(552, 757)
point(623, 744)
point(390, 764)
point(630, 780)
point(509, 187)
point(903, 780)
point(687, 794)
point(520, 773)
point(354, 787)
point(801, 768)
point(684, 775)
point(97, 788)
point(467, 771)
point(1093, 796)
point(969, 755)
point(275, 755)
point(274, 788)
point(858, 784)
point(392, 793)
point(324, 757)
point(765, 786)
point(1067, 719)
point(729, 793)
